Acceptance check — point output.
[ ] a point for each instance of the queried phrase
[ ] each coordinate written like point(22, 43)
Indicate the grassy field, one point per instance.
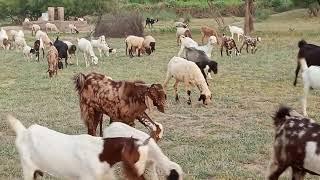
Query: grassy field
point(229, 139)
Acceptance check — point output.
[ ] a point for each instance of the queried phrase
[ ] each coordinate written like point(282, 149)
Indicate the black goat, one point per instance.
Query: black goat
point(37, 47)
point(62, 51)
point(310, 52)
point(150, 22)
point(202, 60)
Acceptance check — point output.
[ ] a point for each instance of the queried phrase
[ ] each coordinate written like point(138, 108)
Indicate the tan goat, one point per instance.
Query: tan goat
point(53, 59)
point(206, 32)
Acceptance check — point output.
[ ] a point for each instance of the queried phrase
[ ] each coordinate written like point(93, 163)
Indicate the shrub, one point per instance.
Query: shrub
point(281, 5)
point(120, 24)
point(262, 14)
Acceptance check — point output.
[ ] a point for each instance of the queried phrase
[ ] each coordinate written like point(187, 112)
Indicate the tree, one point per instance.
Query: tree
point(248, 19)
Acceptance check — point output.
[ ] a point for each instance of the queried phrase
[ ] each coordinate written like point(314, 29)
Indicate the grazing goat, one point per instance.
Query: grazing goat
point(189, 73)
point(85, 46)
point(150, 22)
point(149, 43)
point(120, 100)
point(26, 20)
point(207, 32)
point(51, 27)
point(82, 157)
point(209, 46)
point(229, 44)
point(28, 51)
point(3, 38)
point(101, 45)
point(236, 30)
point(34, 29)
point(156, 158)
point(62, 50)
point(186, 42)
point(53, 60)
point(202, 61)
point(71, 50)
point(296, 145)
point(44, 36)
point(38, 45)
point(135, 43)
point(73, 29)
point(311, 79)
point(252, 42)
point(310, 53)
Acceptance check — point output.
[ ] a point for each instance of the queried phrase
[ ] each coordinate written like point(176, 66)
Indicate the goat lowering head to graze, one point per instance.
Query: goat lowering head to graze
point(296, 145)
point(311, 79)
point(150, 22)
point(82, 157)
point(51, 27)
point(310, 53)
point(188, 72)
point(149, 44)
point(62, 50)
point(206, 32)
point(202, 61)
point(53, 58)
point(229, 44)
point(73, 29)
point(252, 42)
point(156, 158)
point(85, 46)
point(135, 43)
point(34, 29)
point(120, 100)
point(38, 45)
point(236, 30)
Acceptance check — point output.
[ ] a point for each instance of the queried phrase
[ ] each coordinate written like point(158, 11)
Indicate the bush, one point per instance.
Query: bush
point(118, 25)
point(262, 14)
point(281, 5)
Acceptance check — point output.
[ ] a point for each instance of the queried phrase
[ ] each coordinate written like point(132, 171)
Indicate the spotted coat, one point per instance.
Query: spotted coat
point(252, 42)
point(229, 44)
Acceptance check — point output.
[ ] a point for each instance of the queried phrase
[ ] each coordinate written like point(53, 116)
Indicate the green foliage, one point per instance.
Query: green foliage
point(16, 10)
point(263, 14)
point(281, 5)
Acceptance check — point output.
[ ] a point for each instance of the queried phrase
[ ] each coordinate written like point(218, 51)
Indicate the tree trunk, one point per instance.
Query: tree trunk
point(248, 19)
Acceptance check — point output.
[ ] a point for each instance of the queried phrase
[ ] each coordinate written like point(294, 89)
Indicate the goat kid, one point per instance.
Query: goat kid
point(252, 42)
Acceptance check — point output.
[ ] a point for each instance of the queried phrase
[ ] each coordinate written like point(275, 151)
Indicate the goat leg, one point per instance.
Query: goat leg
point(148, 123)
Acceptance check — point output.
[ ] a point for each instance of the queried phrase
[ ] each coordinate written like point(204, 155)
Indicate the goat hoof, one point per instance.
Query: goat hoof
point(189, 102)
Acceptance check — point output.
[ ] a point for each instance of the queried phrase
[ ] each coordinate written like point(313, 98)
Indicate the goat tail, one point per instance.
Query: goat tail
point(281, 113)
point(301, 43)
point(79, 81)
point(15, 124)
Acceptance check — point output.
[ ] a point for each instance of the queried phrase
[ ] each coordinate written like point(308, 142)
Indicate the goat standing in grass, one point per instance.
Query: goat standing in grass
point(229, 44)
point(81, 157)
point(122, 101)
point(252, 42)
point(53, 59)
point(296, 145)
point(311, 79)
point(207, 32)
point(310, 53)
point(236, 30)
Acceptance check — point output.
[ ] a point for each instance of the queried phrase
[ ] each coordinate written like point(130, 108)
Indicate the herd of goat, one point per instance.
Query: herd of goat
point(87, 157)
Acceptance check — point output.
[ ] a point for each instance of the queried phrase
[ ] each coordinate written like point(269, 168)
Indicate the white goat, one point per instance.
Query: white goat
point(19, 42)
point(27, 52)
point(73, 28)
point(311, 79)
point(45, 38)
point(34, 28)
point(236, 30)
point(85, 46)
point(156, 158)
point(101, 45)
point(188, 72)
point(82, 157)
point(134, 43)
point(51, 27)
point(186, 42)
point(26, 20)
point(209, 46)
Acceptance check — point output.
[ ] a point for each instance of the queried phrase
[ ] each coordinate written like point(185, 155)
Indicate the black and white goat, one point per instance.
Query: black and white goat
point(63, 52)
point(150, 22)
point(296, 145)
point(202, 61)
point(310, 52)
point(38, 45)
point(229, 44)
point(81, 157)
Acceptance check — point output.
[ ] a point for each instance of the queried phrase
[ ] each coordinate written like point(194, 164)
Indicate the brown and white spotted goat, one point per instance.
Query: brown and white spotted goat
point(122, 101)
point(296, 145)
point(252, 42)
point(53, 59)
point(229, 44)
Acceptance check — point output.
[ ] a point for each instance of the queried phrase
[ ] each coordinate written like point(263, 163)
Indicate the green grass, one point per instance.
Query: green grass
point(229, 139)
